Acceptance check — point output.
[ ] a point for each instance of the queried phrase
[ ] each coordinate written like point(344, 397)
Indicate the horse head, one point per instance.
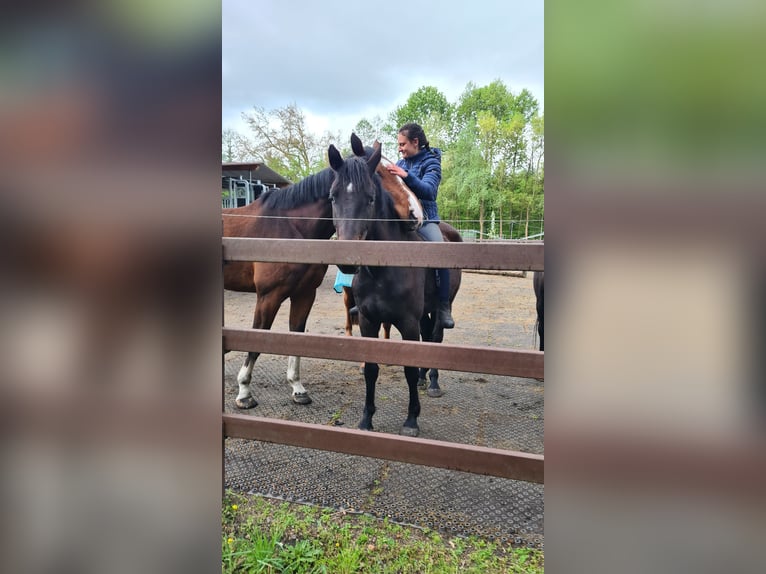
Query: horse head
point(354, 192)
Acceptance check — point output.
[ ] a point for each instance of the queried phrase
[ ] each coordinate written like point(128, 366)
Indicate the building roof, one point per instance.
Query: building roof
point(254, 170)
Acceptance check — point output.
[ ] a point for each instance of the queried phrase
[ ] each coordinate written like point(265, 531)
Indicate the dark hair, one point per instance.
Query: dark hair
point(412, 131)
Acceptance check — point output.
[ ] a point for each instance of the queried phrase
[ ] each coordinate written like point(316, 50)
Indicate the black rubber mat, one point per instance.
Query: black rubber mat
point(477, 409)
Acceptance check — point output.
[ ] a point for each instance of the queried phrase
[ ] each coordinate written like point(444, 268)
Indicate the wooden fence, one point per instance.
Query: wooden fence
point(519, 256)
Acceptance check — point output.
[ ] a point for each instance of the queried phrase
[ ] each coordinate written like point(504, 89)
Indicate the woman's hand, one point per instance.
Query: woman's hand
point(396, 170)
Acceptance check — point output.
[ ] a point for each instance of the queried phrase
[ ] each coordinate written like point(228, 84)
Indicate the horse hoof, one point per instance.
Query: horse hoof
point(410, 431)
point(246, 403)
point(422, 384)
point(301, 398)
point(435, 393)
point(362, 426)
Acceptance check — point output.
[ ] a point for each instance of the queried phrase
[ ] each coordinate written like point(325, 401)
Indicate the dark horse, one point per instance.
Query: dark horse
point(538, 280)
point(404, 297)
point(300, 211)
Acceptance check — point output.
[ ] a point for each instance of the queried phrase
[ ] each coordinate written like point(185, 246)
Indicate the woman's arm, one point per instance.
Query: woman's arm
point(426, 186)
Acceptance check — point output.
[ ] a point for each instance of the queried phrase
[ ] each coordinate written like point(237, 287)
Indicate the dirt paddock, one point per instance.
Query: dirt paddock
point(487, 410)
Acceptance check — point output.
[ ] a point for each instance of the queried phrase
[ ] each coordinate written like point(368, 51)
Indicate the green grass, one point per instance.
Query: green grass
point(262, 535)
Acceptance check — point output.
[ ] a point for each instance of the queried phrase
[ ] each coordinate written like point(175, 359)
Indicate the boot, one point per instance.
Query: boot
point(444, 315)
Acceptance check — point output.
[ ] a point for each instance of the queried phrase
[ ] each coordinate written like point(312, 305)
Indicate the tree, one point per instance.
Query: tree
point(496, 99)
point(536, 169)
point(526, 105)
point(365, 131)
point(233, 146)
point(465, 180)
point(491, 113)
point(281, 140)
point(378, 129)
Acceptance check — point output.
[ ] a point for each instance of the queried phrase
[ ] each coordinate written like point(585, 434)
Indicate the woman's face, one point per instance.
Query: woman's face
point(407, 147)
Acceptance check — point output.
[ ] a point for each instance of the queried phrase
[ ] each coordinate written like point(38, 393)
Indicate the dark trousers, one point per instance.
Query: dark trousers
point(430, 232)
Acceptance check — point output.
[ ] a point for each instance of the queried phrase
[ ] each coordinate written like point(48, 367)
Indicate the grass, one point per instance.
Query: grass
point(262, 535)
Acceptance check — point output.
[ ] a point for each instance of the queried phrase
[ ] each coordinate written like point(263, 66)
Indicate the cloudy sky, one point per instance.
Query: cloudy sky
point(341, 61)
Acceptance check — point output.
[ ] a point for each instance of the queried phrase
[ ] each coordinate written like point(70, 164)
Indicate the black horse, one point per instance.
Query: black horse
point(538, 284)
point(405, 297)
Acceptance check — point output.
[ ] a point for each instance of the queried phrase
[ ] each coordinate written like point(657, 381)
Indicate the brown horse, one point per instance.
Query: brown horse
point(300, 211)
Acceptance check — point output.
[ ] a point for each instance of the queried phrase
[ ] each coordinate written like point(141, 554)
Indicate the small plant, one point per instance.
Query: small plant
point(303, 556)
point(334, 418)
point(347, 561)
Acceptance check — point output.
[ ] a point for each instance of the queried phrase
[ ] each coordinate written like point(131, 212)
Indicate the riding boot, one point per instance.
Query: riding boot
point(444, 310)
point(444, 315)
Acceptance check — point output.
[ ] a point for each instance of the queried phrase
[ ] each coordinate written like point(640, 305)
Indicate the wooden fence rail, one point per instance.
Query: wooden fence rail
point(519, 256)
point(466, 358)
point(508, 255)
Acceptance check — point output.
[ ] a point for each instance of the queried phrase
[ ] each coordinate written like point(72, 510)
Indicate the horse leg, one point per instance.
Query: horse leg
point(410, 427)
point(434, 390)
point(410, 331)
point(538, 284)
point(300, 306)
point(431, 331)
point(265, 311)
point(425, 333)
point(348, 302)
point(370, 378)
point(370, 370)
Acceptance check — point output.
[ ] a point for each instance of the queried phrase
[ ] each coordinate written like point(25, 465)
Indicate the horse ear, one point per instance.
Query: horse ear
point(372, 163)
point(356, 146)
point(336, 161)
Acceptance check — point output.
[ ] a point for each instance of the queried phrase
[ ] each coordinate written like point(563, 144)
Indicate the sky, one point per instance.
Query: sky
point(341, 61)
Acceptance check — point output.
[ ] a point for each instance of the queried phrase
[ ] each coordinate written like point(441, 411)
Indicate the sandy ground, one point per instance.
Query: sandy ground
point(490, 309)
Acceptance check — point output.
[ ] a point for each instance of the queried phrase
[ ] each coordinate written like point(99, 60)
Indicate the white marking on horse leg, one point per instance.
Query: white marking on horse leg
point(294, 374)
point(243, 379)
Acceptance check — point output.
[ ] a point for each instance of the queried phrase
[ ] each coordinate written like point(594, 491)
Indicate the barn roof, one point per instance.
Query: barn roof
point(254, 170)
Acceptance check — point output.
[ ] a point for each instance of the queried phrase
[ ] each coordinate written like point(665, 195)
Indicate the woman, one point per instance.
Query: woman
point(421, 169)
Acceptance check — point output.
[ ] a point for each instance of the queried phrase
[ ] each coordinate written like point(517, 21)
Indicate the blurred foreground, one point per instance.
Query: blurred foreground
point(110, 397)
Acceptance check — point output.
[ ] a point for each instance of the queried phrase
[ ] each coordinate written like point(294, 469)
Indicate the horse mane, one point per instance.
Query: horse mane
point(308, 190)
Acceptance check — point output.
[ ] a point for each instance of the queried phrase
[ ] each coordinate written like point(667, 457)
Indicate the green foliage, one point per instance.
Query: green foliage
point(465, 177)
point(259, 535)
point(425, 102)
point(492, 142)
point(495, 99)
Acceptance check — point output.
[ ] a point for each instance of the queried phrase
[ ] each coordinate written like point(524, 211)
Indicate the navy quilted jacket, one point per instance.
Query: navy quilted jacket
point(424, 174)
